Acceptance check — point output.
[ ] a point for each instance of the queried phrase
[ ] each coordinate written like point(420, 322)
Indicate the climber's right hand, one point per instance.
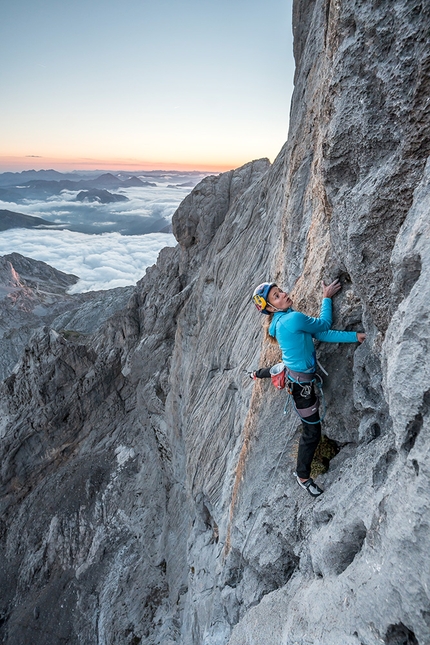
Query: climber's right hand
point(330, 289)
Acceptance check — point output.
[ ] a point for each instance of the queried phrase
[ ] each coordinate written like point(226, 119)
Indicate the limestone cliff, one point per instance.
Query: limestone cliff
point(146, 487)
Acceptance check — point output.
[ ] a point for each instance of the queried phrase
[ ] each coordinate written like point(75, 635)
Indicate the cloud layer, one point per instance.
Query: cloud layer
point(100, 261)
point(148, 209)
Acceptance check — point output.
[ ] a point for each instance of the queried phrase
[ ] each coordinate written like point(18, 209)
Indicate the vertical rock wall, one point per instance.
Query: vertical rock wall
point(146, 482)
point(357, 206)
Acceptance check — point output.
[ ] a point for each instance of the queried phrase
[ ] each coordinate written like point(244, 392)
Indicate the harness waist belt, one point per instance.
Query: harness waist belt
point(300, 377)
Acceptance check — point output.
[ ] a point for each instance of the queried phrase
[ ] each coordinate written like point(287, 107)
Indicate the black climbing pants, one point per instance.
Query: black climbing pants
point(311, 433)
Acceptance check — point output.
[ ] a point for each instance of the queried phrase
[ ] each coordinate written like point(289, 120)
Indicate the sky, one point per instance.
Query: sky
point(137, 84)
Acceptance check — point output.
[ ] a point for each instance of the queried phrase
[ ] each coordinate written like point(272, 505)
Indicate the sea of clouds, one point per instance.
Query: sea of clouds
point(102, 250)
point(144, 206)
point(100, 261)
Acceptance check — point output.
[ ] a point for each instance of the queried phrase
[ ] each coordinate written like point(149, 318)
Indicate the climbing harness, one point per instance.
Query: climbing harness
point(284, 378)
point(306, 385)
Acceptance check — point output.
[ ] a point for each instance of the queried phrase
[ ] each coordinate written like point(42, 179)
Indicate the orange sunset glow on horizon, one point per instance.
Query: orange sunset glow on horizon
point(36, 162)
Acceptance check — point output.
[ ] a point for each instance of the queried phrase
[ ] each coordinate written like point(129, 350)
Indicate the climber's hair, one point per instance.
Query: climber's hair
point(266, 324)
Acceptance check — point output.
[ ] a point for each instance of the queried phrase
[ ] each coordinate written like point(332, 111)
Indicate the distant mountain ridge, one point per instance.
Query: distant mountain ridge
point(52, 179)
point(105, 181)
point(10, 219)
point(100, 196)
point(10, 178)
point(79, 200)
point(131, 225)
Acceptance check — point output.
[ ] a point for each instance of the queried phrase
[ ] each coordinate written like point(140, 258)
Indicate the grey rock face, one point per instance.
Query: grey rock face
point(146, 482)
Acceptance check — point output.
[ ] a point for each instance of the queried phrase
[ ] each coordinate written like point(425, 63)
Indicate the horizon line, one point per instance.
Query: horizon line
point(107, 170)
point(22, 164)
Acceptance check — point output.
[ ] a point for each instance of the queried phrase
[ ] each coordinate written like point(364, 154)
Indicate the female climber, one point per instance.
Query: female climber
point(294, 331)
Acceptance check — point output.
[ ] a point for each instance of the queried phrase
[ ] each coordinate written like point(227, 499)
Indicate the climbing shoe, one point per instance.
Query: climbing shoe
point(309, 485)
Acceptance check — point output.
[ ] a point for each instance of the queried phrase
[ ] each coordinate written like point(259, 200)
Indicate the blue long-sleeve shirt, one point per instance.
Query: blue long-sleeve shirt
point(295, 332)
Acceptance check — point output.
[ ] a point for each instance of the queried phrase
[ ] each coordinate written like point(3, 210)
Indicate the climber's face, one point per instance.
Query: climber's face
point(278, 300)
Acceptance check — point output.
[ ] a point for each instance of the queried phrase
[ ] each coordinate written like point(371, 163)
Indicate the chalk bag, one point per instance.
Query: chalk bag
point(277, 374)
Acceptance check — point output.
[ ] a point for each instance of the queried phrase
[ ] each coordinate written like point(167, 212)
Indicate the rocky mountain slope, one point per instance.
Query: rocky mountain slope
point(10, 219)
point(33, 294)
point(146, 482)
